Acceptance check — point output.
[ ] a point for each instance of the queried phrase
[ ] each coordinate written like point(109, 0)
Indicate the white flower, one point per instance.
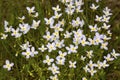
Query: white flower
point(7, 29)
point(98, 38)
point(59, 44)
point(109, 32)
point(30, 10)
point(49, 21)
point(78, 9)
point(77, 22)
point(47, 36)
point(68, 1)
point(35, 24)
point(16, 33)
point(54, 69)
point(105, 19)
point(83, 58)
point(78, 3)
point(67, 34)
point(84, 78)
point(62, 54)
point(8, 65)
point(93, 28)
point(69, 11)
point(105, 26)
point(91, 41)
point(56, 15)
point(92, 71)
point(99, 19)
point(91, 64)
point(55, 35)
point(70, 5)
point(51, 47)
point(6, 23)
point(42, 49)
point(114, 54)
point(21, 18)
point(35, 15)
point(72, 49)
point(104, 64)
point(48, 60)
point(58, 28)
point(106, 38)
point(108, 57)
point(86, 68)
point(99, 64)
point(60, 61)
point(104, 46)
point(25, 46)
point(78, 33)
point(24, 28)
point(72, 64)
point(83, 41)
point(62, 22)
point(89, 54)
point(98, 1)
point(55, 77)
point(4, 36)
point(57, 8)
point(28, 53)
point(93, 7)
point(33, 52)
point(106, 11)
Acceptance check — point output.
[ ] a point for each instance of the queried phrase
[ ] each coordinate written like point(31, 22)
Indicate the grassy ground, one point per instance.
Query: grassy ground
point(11, 9)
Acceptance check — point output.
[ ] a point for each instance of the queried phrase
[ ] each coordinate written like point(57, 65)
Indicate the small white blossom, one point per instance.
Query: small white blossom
point(8, 65)
point(42, 48)
point(49, 21)
point(48, 60)
point(16, 32)
point(72, 64)
point(55, 77)
point(114, 54)
point(25, 46)
point(30, 10)
point(54, 69)
point(24, 28)
point(28, 53)
point(57, 8)
point(83, 58)
point(108, 57)
point(35, 24)
point(89, 54)
point(92, 71)
point(4, 36)
point(72, 49)
point(93, 7)
point(33, 51)
point(104, 64)
point(93, 28)
point(51, 47)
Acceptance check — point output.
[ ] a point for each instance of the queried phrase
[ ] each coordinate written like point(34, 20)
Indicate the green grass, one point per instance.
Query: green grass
point(33, 68)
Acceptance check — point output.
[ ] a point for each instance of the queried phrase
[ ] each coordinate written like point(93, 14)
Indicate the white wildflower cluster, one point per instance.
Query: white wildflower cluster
point(92, 67)
point(79, 38)
point(29, 50)
point(67, 40)
point(23, 28)
point(73, 6)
